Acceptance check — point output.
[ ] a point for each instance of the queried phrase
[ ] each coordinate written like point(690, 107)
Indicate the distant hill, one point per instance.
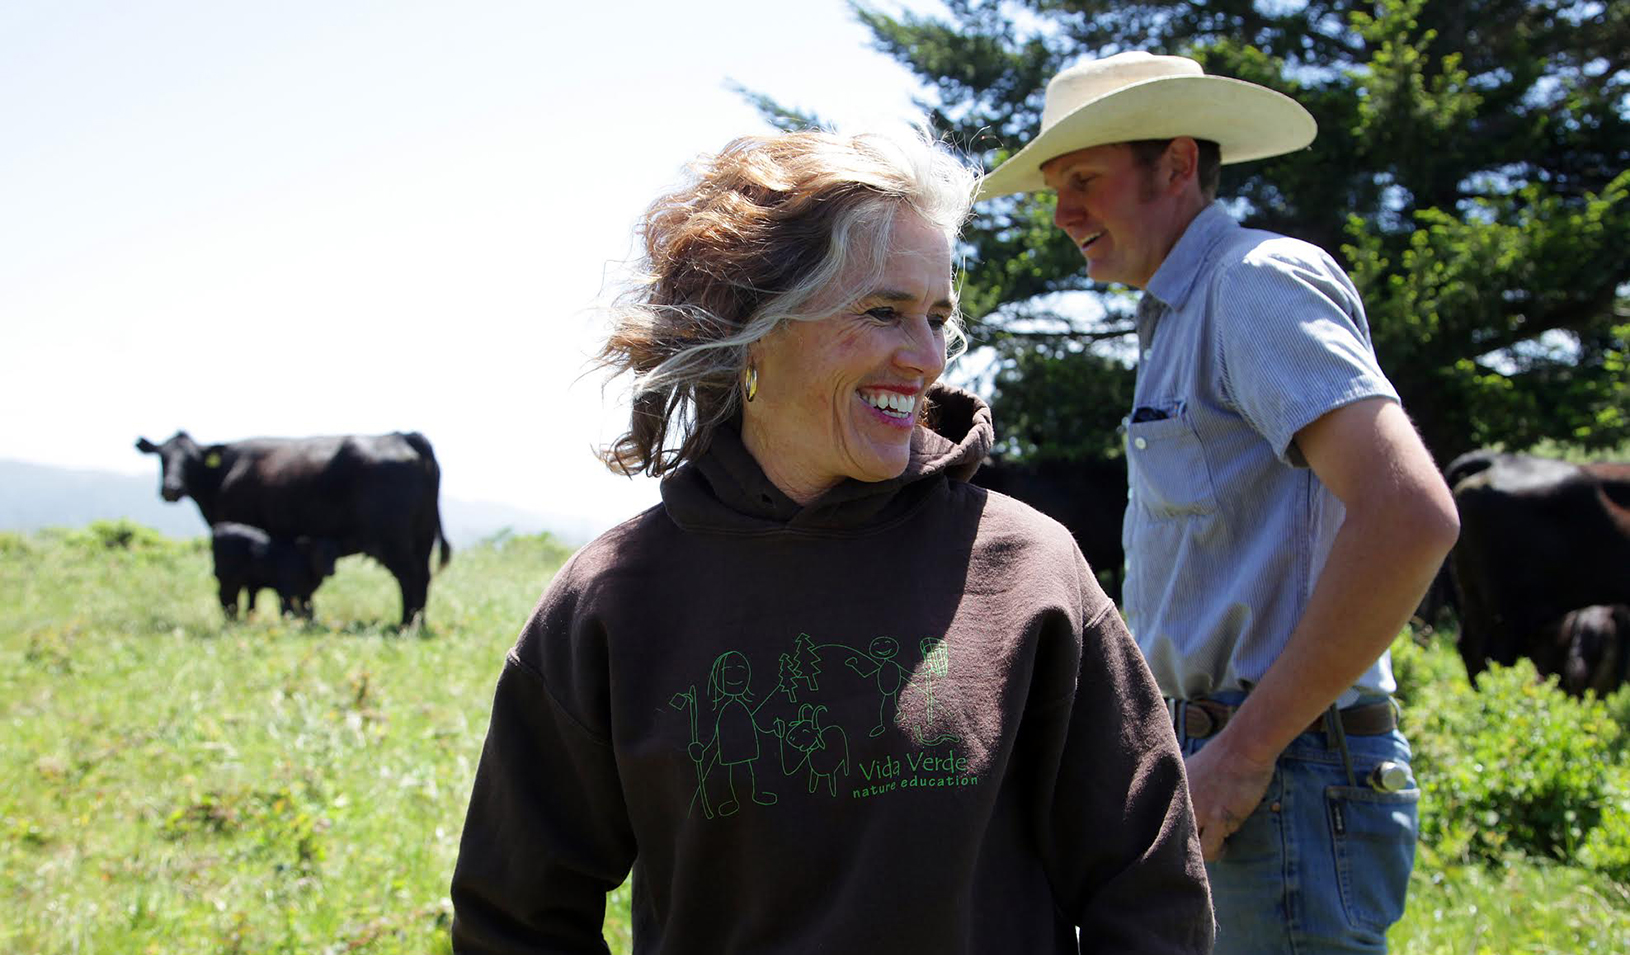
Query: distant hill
point(33, 496)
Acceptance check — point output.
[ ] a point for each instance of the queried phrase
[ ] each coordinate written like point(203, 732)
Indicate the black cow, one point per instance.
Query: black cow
point(1088, 497)
point(1539, 538)
point(1440, 596)
point(247, 558)
point(370, 494)
point(1591, 649)
point(1438, 600)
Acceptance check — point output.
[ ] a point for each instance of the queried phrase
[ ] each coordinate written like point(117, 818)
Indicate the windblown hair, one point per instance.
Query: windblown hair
point(785, 227)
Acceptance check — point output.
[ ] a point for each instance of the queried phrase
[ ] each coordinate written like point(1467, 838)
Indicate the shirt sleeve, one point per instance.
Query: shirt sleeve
point(1119, 838)
point(1294, 341)
point(547, 834)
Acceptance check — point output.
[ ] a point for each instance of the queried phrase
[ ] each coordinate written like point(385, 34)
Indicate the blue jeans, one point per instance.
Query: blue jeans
point(1320, 866)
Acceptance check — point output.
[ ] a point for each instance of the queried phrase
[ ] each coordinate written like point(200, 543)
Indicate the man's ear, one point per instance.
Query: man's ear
point(1181, 162)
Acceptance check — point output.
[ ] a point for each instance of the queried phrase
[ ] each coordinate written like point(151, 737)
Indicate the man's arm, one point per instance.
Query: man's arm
point(1400, 523)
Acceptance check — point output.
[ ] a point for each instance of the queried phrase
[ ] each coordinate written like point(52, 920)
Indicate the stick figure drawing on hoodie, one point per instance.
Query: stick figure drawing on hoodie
point(735, 729)
point(880, 662)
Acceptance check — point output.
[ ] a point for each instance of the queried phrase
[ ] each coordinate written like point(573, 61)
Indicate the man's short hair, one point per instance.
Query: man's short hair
point(1147, 152)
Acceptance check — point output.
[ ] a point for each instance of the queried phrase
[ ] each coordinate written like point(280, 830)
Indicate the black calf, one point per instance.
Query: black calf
point(247, 558)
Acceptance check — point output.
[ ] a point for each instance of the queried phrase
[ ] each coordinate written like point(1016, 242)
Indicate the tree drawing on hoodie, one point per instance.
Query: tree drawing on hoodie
point(735, 745)
point(804, 667)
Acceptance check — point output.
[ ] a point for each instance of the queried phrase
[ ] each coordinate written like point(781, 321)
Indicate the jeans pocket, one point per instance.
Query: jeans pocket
point(1374, 838)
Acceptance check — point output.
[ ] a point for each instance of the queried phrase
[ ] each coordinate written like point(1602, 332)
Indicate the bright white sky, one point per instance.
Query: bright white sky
point(325, 216)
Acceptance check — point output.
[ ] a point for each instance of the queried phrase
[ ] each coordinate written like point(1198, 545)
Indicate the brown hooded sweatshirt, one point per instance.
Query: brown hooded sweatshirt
point(903, 719)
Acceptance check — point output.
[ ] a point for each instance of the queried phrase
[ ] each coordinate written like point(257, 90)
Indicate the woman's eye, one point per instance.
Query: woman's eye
point(883, 313)
point(938, 321)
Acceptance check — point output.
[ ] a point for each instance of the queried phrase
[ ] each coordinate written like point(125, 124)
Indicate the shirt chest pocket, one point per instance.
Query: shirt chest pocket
point(1167, 464)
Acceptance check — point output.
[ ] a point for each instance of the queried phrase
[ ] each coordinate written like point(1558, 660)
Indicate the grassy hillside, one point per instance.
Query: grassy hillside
point(180, 785)
point(174, 784)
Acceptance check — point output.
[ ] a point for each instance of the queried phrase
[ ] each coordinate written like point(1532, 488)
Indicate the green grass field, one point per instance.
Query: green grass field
point(174, 784)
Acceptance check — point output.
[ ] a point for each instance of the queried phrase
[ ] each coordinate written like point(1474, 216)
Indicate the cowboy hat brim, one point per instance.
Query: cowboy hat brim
point(1246, 120)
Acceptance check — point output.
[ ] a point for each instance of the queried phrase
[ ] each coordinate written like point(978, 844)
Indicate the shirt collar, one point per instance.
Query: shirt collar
point(1175, 278)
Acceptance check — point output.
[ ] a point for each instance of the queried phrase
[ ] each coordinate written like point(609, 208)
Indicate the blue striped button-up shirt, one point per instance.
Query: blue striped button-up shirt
point(1245, 337)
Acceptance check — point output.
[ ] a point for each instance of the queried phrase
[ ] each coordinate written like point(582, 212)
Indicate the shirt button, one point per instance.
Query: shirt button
point(1140, 443)
point(1148, 352)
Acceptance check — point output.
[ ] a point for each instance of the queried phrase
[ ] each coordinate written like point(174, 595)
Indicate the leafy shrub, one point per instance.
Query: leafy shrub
point(52, 647)
point(1618, 709)
point(284, 828)
point(1607, 847)
point(543, 547)
point(13, 544)
point(1516, 765)
point(1425, 667)
point(120, 534)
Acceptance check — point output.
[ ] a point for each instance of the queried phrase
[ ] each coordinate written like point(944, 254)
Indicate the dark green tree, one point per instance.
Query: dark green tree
point(1470, 171)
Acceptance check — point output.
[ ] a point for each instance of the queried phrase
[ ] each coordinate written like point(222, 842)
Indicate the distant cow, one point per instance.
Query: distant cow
point(1591, 648)
point(1441, 595)
point(1438, 600)
point(247, 558)
point(370, 494)
point(1538, 539)
point(1087, 497)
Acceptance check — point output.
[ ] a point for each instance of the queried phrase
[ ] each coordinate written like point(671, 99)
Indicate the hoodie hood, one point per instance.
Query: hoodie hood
point(725, 490)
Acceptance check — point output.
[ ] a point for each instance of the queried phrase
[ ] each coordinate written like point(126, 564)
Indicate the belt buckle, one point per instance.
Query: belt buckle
point(1214, 723)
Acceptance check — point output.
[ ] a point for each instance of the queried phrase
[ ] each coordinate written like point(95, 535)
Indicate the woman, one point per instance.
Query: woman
point(827, 695)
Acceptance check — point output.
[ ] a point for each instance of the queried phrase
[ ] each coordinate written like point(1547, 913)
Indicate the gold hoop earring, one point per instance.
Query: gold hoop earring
point(749, 382)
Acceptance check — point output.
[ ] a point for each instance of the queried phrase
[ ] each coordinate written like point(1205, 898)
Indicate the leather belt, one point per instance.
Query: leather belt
point(1204, 718)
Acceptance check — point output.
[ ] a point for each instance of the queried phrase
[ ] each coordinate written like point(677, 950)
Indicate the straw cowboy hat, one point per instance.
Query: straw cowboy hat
point(1132, 96)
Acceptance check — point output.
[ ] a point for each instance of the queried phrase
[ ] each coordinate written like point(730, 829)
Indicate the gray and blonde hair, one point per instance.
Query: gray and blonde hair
point(777, 228)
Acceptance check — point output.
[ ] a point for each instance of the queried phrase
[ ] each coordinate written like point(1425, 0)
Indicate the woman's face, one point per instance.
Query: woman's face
point(838, 397)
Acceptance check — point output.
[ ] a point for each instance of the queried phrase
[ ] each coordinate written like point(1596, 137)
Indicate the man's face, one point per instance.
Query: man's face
point(1115, 211)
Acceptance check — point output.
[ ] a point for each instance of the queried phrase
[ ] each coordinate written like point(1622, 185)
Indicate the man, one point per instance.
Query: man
point(1284, 517)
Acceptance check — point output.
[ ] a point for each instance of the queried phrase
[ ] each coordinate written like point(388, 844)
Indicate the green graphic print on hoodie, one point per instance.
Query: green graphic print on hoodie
point(902, 719)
